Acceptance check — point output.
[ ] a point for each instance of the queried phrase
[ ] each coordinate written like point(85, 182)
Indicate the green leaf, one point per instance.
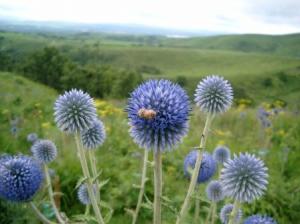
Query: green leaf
point(103, 183)
point(97, 176)
point(80, 181)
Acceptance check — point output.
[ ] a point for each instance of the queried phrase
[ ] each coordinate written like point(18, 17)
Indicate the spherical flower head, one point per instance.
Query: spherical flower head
point(94, 136)
point(225, 214)
point(32, 137)
point(74, 111)
point(244, 177)
point(44, 150)
point(83, 195)
point(214, 94)
point(207, 169)
point(214, 191)
point(20, 178)
point(221, 154)
point(158, 112)
point(259, 219)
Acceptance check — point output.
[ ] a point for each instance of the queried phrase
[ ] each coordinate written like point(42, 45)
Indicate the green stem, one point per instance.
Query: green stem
point(51, 195)
point(213, 216)
point(233, 214)
point(142, 188)
point(193, 181)
point(197, 206)
point(40, 215)
point(89, 183)
point(209, 213)
point(87, 210)
point(92, 160)
point(157, 187)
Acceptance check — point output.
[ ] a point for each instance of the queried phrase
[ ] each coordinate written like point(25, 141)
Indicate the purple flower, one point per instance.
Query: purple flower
point(94, 136)
point(74, 111)
point(207, 169)
point(20, 178)
point(259, 219)
point(244, 177)
point(158, 112)
point(214, 94)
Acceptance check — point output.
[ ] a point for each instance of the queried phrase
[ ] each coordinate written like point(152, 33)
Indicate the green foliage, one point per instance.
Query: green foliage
point(124, 83)
point(46, 66)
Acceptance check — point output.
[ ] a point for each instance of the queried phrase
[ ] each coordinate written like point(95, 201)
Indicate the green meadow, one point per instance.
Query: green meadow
point(261, 77)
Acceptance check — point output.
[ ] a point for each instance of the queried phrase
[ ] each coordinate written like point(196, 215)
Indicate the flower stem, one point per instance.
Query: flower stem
point(92, 160)
point(197, 206)
point(142, 188)
point(213, 216)
point(233, 214)
point(209, 213)
point(51, 195)
point(86, 173)
point(39, 214)
point(193, 181)
point(157, 187)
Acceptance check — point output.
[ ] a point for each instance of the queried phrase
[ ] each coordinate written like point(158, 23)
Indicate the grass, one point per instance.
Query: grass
point(120, 159)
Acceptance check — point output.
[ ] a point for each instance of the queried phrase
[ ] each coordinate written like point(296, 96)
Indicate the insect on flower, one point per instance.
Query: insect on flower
point(146, 113)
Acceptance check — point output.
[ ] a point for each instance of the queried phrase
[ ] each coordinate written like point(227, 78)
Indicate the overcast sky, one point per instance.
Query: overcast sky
point(230, 16)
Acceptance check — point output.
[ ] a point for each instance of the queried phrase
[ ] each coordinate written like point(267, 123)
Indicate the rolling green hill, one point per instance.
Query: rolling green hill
point(284, 45)
point(255, 64)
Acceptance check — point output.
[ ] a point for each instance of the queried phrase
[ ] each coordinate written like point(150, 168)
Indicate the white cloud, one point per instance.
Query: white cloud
point(236, 16)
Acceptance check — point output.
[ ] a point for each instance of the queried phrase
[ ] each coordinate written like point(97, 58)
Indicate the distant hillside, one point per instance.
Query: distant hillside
point(284, 45)
point(256, 72)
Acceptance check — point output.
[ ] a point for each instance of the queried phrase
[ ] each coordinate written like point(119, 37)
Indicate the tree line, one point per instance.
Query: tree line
point(51, 67)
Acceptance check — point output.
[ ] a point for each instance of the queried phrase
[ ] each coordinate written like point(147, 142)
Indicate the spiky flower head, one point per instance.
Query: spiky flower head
point(44, 150)
point(94, 136)
point(74, 111)
point(214, 94)
point(83, 195)
point(207, 169)
point(20, 178)
point(32, 137)
point(259, 219)
point(244, 177)
point(158, 112)
point(214, 191)
point(221, 154)
point(225, 214)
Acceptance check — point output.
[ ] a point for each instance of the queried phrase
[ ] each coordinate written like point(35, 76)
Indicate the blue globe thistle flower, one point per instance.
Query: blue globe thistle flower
point(32, 137)
point(20, 178)
point(225, 214)
point(244, 177)
point(83, 195)
point(74, 111)
point(221, 154)
point(158, 112)
point(44, 150)
point(214, 191)
point(207, 169)
point(259, 219)
point(94, 136)
point(214, 94)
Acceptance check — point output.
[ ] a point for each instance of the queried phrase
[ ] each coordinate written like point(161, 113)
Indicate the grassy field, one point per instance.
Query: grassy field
point(29, 105)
